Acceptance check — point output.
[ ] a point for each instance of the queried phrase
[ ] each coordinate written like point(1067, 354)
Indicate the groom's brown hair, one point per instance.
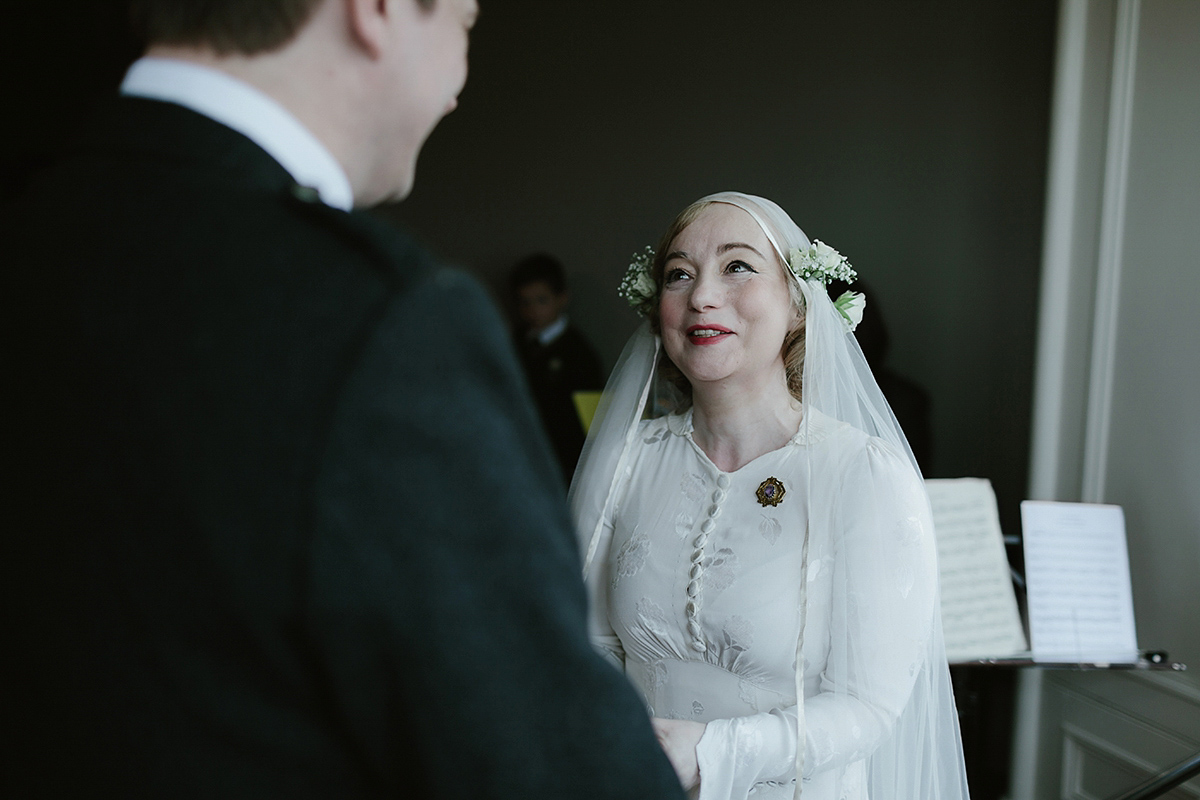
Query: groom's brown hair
point(247, 27)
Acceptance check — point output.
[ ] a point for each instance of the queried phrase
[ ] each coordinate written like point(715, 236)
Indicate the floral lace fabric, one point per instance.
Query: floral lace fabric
point(724, 652)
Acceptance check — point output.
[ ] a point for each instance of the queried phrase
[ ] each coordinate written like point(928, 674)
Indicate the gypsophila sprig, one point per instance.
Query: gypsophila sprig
point(820, 262)
point(638, 287)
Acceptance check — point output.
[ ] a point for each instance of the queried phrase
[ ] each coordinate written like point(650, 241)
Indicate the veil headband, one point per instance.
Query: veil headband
point(783, 233)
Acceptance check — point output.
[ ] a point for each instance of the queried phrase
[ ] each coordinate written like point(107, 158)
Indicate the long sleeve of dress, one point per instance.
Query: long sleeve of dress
point(604, 638)
point(884, 587)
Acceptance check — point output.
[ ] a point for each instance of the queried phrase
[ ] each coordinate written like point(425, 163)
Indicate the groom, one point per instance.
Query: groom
point(278, 528)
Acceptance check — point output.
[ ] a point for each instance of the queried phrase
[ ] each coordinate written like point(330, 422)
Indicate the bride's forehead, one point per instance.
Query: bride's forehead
point(722, 223)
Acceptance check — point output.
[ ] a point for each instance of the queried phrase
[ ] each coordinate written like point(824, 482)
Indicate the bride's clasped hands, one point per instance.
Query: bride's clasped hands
point(679, 738)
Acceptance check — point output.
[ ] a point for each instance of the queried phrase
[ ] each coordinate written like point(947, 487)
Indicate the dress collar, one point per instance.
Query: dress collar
point(818, 429)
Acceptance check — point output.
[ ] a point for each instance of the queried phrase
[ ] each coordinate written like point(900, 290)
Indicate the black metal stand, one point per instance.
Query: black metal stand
point(1164, 781)
point(985, 690)
point(985, 700)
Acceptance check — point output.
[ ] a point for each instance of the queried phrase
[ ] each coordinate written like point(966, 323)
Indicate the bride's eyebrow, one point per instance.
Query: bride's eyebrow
point(677, 254)
point(725, 248)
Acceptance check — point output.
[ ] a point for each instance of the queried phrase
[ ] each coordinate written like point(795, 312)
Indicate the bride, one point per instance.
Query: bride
point(761, 561)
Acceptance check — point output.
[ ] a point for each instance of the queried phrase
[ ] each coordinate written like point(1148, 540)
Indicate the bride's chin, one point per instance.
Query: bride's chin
point(705, 377)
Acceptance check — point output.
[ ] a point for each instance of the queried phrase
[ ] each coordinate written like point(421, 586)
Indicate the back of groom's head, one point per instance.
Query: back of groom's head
point(224, 26)
point(369, 78)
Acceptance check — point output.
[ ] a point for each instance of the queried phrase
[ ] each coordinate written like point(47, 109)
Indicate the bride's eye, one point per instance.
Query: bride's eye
point(740, 266)
point(674, 275)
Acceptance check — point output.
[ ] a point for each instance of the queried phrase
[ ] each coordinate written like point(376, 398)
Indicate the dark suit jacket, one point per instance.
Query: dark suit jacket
point(279, 528)
point(555, 372)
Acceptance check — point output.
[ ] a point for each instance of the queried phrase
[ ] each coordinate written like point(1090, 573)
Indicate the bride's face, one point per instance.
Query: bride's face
point(725, 307)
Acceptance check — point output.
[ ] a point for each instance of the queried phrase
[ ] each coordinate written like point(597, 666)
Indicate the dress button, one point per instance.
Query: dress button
point(707, 526)
point(691, 608)
point(714, 511)
point(695, 571)
point(723, 481)
point(693, 589)
point(697, 556)
point(718, 496)
point(700, 539)
point(694, 629)
point(699, 647)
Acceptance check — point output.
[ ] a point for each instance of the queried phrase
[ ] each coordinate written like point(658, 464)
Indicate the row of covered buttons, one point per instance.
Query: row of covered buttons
point(697, 566)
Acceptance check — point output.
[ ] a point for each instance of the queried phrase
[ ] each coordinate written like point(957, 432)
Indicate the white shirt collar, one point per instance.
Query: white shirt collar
point(248, 111)
point(552, 331)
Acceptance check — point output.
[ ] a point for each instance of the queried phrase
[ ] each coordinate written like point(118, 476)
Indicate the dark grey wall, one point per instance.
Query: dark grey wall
point(910, 135)
point(57, 60)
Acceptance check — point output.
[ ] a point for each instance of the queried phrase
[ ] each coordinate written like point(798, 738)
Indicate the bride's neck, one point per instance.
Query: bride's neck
point(734, 427)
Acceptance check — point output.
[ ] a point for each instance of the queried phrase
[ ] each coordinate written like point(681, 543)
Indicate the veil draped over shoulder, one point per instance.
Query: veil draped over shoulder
point(886, 673)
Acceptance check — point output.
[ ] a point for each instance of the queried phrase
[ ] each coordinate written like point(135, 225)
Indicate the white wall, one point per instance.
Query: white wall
point(1119, 377)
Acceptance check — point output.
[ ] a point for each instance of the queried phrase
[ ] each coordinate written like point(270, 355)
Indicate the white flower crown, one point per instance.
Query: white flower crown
point(819, 262)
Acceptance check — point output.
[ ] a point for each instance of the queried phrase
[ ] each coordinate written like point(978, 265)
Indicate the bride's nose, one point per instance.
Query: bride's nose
point(706, 293)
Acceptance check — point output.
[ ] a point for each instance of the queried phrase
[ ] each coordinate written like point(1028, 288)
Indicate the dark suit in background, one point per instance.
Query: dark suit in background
point(280, 530)
point(555, 371)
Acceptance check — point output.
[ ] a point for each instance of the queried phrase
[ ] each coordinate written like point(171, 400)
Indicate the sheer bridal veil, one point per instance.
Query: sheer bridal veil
point(887, 662)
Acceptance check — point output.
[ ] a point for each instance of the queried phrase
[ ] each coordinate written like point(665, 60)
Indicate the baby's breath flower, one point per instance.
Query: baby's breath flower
point(820, 262)
point(638, 286)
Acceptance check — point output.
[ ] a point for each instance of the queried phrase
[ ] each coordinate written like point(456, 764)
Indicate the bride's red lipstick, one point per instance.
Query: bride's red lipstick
point(708, 334)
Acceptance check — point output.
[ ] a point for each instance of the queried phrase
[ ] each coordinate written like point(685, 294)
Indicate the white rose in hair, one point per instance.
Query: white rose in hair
point(644, 285)
point(796, 258)
point(828, 258)
point(850, 305)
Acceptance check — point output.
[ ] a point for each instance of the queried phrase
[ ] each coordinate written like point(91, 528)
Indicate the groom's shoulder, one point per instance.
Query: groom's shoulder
point(450, 299)
point(205, 207)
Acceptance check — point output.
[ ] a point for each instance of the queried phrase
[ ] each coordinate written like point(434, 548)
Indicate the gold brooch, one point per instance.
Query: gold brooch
point(770, 492)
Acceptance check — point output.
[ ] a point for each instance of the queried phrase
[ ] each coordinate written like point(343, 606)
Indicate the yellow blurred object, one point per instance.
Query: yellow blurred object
point(585, 406)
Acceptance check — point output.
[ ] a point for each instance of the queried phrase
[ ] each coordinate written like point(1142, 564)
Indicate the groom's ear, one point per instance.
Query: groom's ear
point(367, 21)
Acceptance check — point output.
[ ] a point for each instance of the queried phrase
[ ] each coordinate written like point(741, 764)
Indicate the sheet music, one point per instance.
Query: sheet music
point(1077, 578)
point(979, 609)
